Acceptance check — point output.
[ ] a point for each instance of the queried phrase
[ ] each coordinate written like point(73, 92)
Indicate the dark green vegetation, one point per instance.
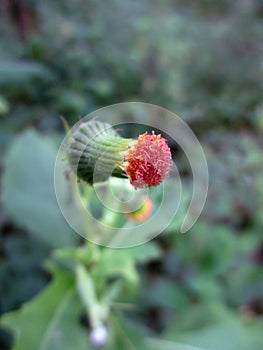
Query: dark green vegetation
point(202, 60)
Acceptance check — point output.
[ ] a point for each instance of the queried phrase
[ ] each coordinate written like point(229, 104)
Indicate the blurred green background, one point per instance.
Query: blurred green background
point(202, 60)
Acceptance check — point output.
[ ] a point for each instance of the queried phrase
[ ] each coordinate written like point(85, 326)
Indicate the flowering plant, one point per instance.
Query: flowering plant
point(92, 282)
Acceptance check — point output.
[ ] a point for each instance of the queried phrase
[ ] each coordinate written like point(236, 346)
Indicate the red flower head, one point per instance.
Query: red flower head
point(149, 161)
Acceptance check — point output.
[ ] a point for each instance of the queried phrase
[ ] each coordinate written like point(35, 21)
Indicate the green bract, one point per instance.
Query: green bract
point(96, 152)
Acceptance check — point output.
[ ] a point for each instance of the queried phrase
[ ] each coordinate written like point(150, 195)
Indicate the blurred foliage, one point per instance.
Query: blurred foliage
point(202, 60)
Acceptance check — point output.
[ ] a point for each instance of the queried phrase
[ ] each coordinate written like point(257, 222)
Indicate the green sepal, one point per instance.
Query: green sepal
point(96, 152)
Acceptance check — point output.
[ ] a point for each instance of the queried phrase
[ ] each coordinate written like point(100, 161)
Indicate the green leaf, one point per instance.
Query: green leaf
point(122, 262)
point(129, 336)
point(166, 294)
point(159, 344)
point(4, 106)
point(14, 72)
point(142, 253)
point(228, 333)
point(50, 321)
point(28, 190)
point(126, 335)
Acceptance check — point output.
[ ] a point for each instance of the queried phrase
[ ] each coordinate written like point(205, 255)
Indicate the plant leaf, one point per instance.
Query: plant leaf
point(50, 321)
point(159, 344)
point(28, 190)
point(122, 262)
point(228, 333)
point(20, 72)
point(126, 335)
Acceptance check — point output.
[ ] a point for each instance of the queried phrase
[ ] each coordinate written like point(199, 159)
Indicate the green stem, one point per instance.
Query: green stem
point(86, 289)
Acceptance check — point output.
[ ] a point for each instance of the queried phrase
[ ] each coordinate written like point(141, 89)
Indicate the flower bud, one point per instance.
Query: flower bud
point(98, 336)
point(141, 214)
point(98, 152)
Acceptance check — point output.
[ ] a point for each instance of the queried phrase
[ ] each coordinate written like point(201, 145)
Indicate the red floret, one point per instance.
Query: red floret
point(149, 161)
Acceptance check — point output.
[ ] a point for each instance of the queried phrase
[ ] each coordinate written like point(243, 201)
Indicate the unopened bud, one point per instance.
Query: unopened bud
point(97, 152)
point(99, 336)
